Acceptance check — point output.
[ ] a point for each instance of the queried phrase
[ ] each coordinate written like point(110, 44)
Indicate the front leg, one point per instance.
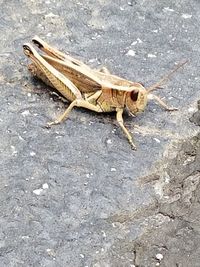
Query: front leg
point(161, 102)
point(121, 123)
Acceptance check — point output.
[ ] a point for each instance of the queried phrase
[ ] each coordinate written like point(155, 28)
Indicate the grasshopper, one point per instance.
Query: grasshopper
point(96, 90)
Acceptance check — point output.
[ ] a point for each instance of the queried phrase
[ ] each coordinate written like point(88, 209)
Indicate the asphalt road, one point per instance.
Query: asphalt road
point(76, 195)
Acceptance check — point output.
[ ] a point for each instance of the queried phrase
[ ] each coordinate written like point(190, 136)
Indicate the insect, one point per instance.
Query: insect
point(96, 90)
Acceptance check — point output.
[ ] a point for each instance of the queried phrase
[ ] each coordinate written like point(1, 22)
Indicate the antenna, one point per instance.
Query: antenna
point(165, 78)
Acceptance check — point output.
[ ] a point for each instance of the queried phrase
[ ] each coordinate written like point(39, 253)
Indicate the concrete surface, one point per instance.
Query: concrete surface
point(76, 194)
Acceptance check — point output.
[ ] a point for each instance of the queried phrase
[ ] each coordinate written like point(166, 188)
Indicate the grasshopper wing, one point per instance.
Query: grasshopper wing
point(71, 66)
point(83, 78)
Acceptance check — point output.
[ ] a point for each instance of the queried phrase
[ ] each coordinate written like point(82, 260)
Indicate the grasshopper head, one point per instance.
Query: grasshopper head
point(136, 99)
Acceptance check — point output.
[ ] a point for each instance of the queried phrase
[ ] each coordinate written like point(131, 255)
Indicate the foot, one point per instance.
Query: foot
point(49, 124)
point(171, 109)
point(133, 146)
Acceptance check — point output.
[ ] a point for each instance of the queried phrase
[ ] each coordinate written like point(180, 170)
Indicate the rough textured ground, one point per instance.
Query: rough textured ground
point(76, 194)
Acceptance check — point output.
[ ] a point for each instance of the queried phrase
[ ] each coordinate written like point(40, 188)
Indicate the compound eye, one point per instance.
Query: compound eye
point(134, 95)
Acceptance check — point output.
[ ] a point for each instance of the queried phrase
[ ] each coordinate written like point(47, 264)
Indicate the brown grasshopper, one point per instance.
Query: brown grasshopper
point(97, 90)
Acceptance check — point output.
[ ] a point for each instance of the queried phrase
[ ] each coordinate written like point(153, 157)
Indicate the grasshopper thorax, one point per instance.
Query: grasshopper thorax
point(136, 99)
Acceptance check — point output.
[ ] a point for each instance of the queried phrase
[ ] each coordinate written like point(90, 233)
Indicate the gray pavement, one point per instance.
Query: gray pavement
point(76, 195)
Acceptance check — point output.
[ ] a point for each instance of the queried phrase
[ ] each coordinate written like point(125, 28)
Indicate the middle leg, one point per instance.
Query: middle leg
point(76, 103)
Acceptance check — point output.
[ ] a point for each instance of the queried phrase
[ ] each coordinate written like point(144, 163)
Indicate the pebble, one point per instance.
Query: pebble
point(186, 16)
point(131, 53)
point(45, 186)
point(167, 9)
point(40, 190)
point(37, 191)
point(51, 15)
point(191, 109)
point(138, 41)
point(14, 151)
point(157, 140)
point(151, 55)
point(159, 256)
point(25, 113)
